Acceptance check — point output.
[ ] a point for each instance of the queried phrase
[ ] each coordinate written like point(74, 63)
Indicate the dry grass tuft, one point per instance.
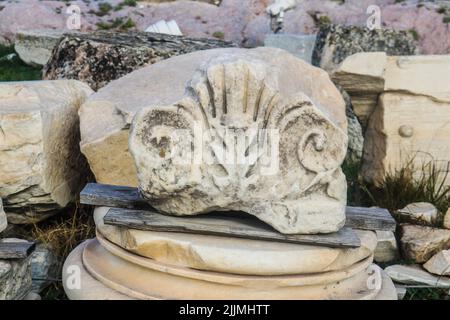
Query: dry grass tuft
point(64, 232)
point(408, 185)
point(61, 233)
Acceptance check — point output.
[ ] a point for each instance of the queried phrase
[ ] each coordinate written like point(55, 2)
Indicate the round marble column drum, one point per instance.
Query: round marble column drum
point(131, 264)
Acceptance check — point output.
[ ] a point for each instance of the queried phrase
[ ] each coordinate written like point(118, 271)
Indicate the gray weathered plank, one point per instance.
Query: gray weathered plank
point(231, 225)
point(128, 197)
point(370, 219)
point(112, 196)
point(16, 250)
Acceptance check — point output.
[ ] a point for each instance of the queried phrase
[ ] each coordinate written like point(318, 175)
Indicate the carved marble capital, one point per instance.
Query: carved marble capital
point(236, 141)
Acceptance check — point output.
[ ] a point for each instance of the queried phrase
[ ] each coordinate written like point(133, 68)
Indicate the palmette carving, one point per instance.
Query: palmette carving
point(235, 143)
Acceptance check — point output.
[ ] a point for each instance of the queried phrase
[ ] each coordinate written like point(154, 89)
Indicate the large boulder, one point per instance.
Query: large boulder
point(334, 43)
point(35, 47)
point(41, 167)
point(100, 57)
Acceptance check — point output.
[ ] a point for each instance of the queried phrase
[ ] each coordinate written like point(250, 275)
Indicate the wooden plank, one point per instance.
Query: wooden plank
point(16, 250)
point(128, 197)
point(224, 224)
point(106, 195)
point(370, 219)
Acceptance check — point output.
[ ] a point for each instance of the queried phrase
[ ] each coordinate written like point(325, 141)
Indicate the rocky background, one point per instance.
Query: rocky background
point(243, 22)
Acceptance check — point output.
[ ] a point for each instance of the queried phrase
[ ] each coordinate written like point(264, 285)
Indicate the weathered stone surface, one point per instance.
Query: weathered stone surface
point(15, 277)
point(35, 47)
point(232, 255)
point(105, 137)
point(44, 268)
point(244, 137)
point(386, 249)
point(362, 76)
point(41, 167)
point(336, 42)
point(396, 136)
point(134, 284)
point(138, 278)
point(416, 275)
point(422, 213)
point(420, 243)
point(447, 219)
point(300, 46)
point(3, 220)
point(439, 264)
point(100, 57)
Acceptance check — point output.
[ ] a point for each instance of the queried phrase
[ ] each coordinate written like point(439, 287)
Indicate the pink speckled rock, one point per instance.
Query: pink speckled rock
point(243, 22)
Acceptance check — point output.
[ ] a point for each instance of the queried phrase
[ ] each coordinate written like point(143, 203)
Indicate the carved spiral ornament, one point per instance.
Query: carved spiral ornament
point(246, 147)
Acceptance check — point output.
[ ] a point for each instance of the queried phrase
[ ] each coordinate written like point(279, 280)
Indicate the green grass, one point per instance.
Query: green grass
point(130, 3)
point(15, 69)
point(103, 9)
point(414, 34)
point(118, 24)
point(442, 10)
point(218, 35)
point(427, 294)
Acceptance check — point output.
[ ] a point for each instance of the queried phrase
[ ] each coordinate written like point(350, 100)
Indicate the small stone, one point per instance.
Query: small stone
point(422, 213)
point(416, 275)
point(447, 219)
point(15, 278)
point(44, 267)
point(439, 264)
point(386, 249)
point(420, 243)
